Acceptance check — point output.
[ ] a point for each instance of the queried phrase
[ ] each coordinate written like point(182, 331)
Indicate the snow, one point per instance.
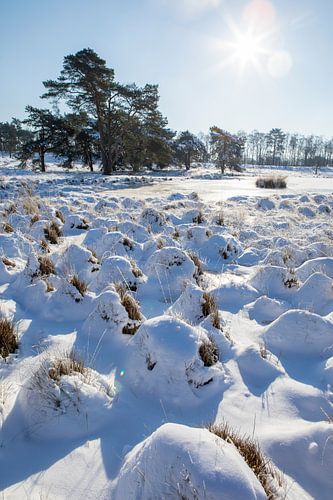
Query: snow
point(132, 423)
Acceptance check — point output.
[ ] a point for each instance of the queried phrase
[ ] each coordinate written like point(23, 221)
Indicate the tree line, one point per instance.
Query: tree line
point(120, 125)
point(282, 148)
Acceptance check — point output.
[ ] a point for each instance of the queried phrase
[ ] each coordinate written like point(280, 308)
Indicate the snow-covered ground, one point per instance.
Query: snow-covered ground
point(238, 274)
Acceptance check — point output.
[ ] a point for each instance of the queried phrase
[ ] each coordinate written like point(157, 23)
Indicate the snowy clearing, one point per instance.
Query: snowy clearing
point(148, 307)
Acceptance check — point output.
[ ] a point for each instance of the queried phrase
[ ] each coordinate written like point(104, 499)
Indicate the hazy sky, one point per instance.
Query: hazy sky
point(238, 64)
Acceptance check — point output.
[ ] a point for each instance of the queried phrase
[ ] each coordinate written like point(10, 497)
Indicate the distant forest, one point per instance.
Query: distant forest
point(120, 126)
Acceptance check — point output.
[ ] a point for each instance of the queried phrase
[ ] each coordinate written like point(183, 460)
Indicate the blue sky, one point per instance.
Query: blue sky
point(238, 64)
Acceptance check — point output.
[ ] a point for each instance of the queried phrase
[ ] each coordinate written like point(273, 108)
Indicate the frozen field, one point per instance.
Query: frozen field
point(148, 308)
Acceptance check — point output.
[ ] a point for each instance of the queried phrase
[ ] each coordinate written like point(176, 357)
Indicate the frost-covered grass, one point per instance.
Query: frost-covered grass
point(185, 309)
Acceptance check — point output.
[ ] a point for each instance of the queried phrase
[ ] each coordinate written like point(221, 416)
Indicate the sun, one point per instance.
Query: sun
point(247, 49)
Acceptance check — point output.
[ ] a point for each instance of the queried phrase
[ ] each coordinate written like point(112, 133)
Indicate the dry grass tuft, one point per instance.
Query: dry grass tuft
point(262, 467)
point(8, 337)
point(199, 219)
point(34, 219)
point(49, 287)
point(272, 182)
point(8, 262)
point(216, 320)
point(31, 205)
point(209, 308)
point(220, 219)
point(209, 352)
point(11, 209)
point(68, 364)
point(176, 234)
point(132, 307)
point(209, 305)
point(52, 232)
point(44, 246)
point(135, 269)
point(79, 284)
point(127, 243)
point(46, 266)
point(8, 228)
point(60, 216)
point(197, 262)
point(291, 281)
point(160, 243)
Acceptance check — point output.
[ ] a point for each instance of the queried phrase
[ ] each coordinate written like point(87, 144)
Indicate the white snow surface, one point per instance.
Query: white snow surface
point(132, 424)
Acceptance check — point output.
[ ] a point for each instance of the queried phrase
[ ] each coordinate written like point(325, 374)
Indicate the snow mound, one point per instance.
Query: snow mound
point(57, 405)
point(165, 360)
point(300, 333)
point(265, 204)
point(322, 265)
point(218, 251)
point(274, 281)
point(316, 294)
point(173, 268)
point(177, 461)
point(116, 270)
point(265, 310)
point(109, 317)
point(153, 219)
point(76, 260)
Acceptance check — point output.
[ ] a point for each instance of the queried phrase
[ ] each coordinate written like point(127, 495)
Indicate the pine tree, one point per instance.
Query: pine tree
point(227, 149)
point(189, 147)
point(87, 84)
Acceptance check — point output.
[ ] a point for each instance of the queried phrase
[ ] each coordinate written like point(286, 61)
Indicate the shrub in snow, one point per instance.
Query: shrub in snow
point(177, 461)
point(63, 398)
point(8, 337)
point(272, 182)
point(171, 268)
point(166, 362)
point(153, 219)
point(300, 333)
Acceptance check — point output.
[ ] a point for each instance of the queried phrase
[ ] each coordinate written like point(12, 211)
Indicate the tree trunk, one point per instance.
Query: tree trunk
point(42, 159)
point(187, 161)
point(90, 162)
point(107, 164)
